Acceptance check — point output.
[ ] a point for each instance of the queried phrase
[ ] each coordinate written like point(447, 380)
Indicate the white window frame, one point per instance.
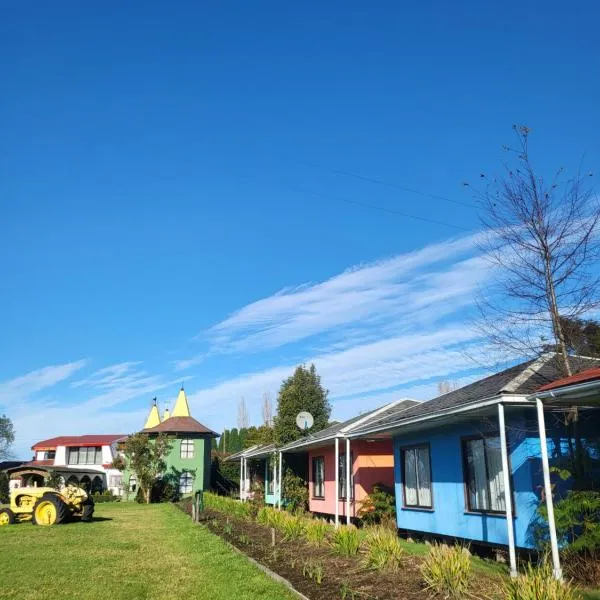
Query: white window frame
point(190, 448)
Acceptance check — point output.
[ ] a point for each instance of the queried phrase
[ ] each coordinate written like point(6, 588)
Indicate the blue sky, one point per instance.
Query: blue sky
point(179, 198)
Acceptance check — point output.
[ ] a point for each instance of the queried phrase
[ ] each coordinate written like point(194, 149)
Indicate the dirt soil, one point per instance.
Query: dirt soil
point(342, 577)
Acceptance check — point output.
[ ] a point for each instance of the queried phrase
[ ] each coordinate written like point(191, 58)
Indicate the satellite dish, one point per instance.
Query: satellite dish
point(304, 420)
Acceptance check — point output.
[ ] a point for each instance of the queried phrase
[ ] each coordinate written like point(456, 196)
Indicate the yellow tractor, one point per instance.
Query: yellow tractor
point(47, 506)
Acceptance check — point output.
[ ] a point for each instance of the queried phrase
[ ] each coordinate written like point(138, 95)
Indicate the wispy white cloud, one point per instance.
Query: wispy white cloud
point(186, 363)
point(441, 276)
point(22, 387)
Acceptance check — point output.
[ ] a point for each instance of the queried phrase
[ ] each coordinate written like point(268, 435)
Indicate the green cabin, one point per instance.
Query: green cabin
point(189, 460)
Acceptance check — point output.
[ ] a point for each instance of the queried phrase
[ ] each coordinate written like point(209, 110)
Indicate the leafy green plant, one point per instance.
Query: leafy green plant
point(539, 583)
point(295, 492)
point(227, 505)
point(379, 506)
point(316, 532)
point(447, 570)
point(293, 527)
point(383, 549)
point(313, 570)
point(346, 592)
point(345, 540)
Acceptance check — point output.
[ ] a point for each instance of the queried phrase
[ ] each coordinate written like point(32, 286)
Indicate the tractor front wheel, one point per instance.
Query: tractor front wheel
point(88, 510)
point(7, 517)
point(49, 510)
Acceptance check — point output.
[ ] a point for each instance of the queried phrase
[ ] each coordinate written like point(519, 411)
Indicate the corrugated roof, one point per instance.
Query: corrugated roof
point(180, 425)
point(392, 409)
point(583, 377)
point(521, 379)
point(77, 440)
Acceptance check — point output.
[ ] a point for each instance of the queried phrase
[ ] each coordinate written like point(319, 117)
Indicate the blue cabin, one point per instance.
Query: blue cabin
point(450, 455)
point(259, 465)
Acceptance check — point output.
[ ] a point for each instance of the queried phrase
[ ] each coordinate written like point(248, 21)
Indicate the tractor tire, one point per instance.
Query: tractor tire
point(50, 510)
point(88, 510)
point(7, 517)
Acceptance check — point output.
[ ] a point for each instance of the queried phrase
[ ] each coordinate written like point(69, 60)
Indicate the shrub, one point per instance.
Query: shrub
point(229, 506)
point(258, 499)
point(379, 506)
point(537, 583)
point(295, 492)
point(316, 532)
point(345, 540)
point(447, 570)
point(293, 527)
point(383, 549)
point(4, 488)
point(106, 496)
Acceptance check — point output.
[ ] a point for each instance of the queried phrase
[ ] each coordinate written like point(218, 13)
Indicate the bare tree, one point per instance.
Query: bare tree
point(243, 420)
point(542, 240)
point(446, 385)
point(267, 409)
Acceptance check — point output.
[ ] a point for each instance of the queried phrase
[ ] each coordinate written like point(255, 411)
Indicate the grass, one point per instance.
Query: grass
point(131, 552)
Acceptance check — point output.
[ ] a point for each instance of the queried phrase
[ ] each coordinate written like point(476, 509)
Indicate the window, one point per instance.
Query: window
point(416, 476)
point(483, 474)
point(185, 483)
point(318, 476)
point(50, 454)
point(342, 476)
point(187, 448)
point(91, 455)
point(115, 481)
point(132, 483)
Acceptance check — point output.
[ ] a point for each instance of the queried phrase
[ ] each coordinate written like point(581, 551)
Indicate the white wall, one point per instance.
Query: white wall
point(61, 456)
point(107, 456)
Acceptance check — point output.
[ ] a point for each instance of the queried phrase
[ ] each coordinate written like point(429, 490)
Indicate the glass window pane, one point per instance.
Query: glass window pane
point(423, 476)
point(410, 478)
point(477, 480)
point(495, 474)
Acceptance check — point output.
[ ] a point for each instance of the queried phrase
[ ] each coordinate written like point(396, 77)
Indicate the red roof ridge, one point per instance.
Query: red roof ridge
point(101, 439)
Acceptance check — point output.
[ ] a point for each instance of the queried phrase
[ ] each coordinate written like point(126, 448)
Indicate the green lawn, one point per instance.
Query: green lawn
point(131, 552)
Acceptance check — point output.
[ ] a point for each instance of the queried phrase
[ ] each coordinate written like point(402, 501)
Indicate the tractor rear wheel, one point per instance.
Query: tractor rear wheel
point(7, 517)
point(49, 510)
point(88, 510)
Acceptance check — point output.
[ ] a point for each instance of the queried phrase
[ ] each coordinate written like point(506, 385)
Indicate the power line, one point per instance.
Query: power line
point(374, 207)
point(388, 184)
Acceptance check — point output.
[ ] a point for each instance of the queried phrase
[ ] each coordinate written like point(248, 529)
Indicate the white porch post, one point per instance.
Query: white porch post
point(507, 493)
point(275, 480)
point(241, 478)
point(348, 472)
point(280, 474)
point(337, 481)
point(548, 489)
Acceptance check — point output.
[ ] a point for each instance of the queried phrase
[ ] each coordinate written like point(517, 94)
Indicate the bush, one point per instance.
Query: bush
point(447, 570)
point(538, 583)
point(258, 499)
point(383, 549)
point(106, 496)
point(4, 488)
point(345, 540)
point(379, 506)
point(316, 531)
point(229, 506)
point(295, 492)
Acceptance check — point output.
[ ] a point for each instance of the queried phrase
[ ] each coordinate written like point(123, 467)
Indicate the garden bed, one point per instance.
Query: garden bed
point(321, 575)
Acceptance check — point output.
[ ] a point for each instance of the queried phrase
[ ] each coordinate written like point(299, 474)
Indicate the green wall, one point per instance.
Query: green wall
point(199, 465)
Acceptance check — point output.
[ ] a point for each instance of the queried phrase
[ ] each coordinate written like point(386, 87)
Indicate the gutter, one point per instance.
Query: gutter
point(567, 389)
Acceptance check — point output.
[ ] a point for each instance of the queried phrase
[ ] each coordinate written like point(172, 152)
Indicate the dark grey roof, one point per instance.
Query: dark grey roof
point(522, 379)
point(392, 409)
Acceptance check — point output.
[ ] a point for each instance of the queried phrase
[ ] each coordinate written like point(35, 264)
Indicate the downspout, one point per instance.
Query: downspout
point(507, 493)
point(548, 490)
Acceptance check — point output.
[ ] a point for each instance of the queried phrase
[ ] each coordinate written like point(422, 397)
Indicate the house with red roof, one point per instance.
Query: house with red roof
point(83, 460)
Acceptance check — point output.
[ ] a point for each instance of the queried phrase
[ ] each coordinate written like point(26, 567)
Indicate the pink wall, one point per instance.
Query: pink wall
point(373, 463)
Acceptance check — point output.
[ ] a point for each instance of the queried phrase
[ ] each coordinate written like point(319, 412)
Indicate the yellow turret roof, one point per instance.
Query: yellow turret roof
point(182, 408)
point(153, 417)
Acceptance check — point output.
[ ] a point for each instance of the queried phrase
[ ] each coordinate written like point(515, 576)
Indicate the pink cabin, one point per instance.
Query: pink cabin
point(371, 462)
